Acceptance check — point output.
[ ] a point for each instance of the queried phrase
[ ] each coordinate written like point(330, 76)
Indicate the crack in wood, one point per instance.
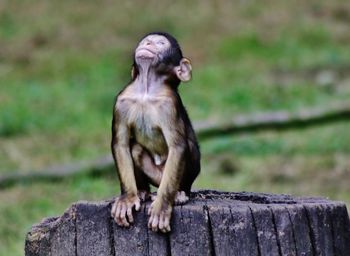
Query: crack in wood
point(210, 231)
point(256, 230)
point(276, 232)
point(293, 231)
point(311, 232)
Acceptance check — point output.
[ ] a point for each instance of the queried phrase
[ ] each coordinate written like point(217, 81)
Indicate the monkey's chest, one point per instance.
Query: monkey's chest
point(145, 130)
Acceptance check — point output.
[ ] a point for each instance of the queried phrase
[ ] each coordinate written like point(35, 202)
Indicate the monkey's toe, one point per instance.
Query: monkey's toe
point(153, 197)
point(164, 224)
point(181, 198)
point(159, 223)
point(159, 220)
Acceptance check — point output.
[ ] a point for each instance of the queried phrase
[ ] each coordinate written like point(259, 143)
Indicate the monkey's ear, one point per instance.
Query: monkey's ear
point(184, 70)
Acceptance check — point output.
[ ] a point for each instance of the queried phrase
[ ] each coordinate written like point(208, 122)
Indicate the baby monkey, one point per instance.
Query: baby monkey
point(153, 141)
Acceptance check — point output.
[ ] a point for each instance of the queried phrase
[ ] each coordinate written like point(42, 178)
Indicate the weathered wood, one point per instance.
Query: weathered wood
point(212, 223)
point(190, 234)
point(265, 230)
point(64, 239)
point(300, 229)
point(133, 240)
point(321, 229)
point(93, 229)
point(284, 230)
point(234, 228)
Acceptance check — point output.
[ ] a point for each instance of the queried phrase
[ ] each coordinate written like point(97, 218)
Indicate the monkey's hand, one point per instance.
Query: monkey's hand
point(160, 214)
point(122, 209)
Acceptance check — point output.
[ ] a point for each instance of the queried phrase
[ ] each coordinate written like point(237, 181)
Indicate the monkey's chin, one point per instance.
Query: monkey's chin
point(144, 54)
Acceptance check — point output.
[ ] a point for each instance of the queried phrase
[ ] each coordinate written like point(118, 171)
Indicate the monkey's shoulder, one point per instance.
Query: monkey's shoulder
point(131, 96)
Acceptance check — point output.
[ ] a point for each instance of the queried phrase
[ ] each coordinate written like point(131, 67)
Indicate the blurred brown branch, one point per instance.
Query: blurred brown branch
point(278, 120)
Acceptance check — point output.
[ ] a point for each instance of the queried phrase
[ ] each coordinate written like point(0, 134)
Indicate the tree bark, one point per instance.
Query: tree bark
point(212, 223)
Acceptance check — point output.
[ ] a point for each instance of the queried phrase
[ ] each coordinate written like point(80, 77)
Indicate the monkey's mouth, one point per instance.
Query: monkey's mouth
point(144, 53)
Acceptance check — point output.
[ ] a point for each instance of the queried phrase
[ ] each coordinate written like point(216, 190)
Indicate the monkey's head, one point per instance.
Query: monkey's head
point(162, 52)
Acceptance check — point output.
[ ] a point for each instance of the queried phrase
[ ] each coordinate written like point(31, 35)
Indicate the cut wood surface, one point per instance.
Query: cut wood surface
point(212, 223)
point(278, 120)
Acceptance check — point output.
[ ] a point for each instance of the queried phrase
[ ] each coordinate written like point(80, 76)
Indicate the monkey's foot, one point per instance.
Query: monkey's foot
point(153, 197)
point(160, 214)
point(181, 198)
point(144, 195)
point(122, 209)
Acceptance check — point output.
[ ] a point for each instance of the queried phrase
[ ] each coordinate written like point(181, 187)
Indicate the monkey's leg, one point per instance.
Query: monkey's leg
point(146, 169)
point(144, 163)
point(192, 169)
point(142, 181)
point(161, 208)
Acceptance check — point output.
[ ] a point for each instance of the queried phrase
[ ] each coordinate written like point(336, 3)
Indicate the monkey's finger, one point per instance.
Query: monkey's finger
point(125, 223)
point(155, 223)
point(117, 217)
point(123, 216)
point(167, 224)
point(149, 210)
point(129, 213)
point(118, 221)
point(161, 224)
point(117, 211)
point(165, 229)
point(125, 220)
point(150, 220)
point(122, 211)
point(113, 210)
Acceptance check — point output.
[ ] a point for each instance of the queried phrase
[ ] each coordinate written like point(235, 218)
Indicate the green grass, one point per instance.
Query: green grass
point(63, 62)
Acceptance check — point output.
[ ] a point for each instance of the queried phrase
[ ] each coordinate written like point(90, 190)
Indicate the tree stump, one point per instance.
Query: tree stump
point(212, 223)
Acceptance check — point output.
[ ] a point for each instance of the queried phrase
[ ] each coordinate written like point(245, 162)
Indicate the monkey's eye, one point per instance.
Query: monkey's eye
point(161, 42)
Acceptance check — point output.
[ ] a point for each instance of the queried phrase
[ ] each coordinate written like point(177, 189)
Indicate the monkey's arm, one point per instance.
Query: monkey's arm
point(161, 208)
point(121, 151)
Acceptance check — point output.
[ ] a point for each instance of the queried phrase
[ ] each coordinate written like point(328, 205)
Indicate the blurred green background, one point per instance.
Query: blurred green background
point(62, 63)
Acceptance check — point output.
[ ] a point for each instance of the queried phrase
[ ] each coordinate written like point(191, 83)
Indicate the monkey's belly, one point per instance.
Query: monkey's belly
point(152, 139)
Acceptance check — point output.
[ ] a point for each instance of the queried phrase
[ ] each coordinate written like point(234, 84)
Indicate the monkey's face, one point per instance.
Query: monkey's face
point(162, 52)
point(152, 48)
